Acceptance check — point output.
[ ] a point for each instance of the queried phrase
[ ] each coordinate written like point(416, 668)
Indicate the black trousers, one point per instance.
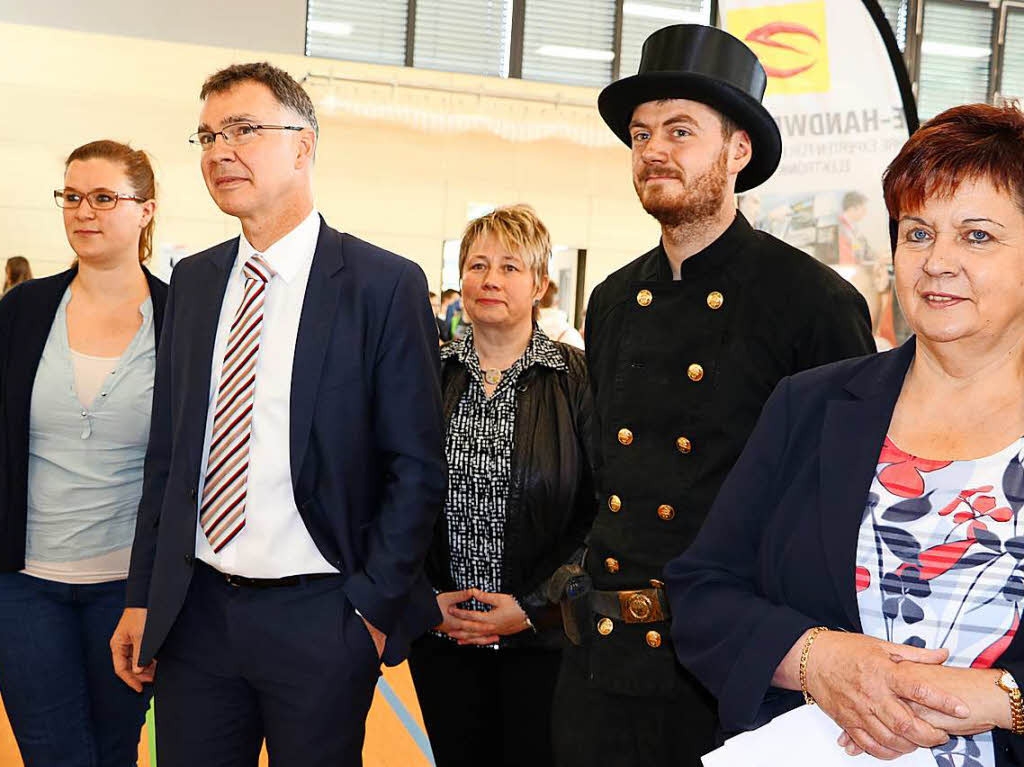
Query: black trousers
point(483, 706)
point(594, 727)
point(294, 665)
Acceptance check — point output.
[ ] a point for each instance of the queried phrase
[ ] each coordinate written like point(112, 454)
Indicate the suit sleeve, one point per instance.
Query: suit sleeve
point(409, 435)
point(158, 459)
point(840, 331)
point(723, 629)
point(6, 320)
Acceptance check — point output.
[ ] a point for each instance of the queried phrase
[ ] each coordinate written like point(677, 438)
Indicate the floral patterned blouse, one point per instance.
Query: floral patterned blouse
point(940, 563)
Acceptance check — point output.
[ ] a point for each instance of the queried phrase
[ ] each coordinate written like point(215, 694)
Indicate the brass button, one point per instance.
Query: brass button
point(605, 626)
point(644, 297)
point(715, 300)
point(695, 372)
point(611, 565)
point(653, 639)
point(614, 503)
point(656, 584)
point(666, 512)
point(640, 607)
point(625, 437)
point(683, 445)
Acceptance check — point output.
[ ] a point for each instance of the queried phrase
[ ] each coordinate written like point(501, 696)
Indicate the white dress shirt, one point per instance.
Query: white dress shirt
point(274, 542)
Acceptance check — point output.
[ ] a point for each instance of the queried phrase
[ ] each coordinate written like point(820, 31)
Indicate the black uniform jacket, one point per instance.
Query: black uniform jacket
point(26, 316)
point(680, 371)
point(777, 555)
point(551, 494)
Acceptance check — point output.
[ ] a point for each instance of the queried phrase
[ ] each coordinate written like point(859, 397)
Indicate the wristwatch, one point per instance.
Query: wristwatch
point(1007, 683)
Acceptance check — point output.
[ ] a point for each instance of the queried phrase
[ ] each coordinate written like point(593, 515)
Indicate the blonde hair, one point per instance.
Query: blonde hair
point(519, 231)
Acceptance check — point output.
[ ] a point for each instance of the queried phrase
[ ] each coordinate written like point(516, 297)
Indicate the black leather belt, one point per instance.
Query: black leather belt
point(638, 606)
point(238, 581)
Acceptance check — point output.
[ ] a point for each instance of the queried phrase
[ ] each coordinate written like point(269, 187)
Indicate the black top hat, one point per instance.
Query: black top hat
point(705, 64)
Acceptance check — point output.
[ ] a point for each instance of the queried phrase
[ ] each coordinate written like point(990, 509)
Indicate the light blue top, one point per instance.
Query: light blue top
point(85, 464)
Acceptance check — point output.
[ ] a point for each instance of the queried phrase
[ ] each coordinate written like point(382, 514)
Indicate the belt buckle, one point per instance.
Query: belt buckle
point(639, 607)
point(232, 580)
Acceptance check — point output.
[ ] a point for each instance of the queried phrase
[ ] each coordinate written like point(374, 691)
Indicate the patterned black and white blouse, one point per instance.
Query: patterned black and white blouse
point(479, 444)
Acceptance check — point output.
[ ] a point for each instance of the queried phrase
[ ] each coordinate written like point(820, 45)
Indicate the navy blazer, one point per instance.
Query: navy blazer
point(366, 442)
point(26, 316)
point(777, 554)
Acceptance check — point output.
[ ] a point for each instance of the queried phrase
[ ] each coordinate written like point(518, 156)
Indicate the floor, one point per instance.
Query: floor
point(394, 730)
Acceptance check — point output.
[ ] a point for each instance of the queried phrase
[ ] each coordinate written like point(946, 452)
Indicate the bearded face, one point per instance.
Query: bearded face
point(676, 200)
point(680, 161)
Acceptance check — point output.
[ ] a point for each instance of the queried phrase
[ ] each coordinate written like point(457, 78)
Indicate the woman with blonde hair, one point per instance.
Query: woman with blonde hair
point(77, 361)
point(520, 501)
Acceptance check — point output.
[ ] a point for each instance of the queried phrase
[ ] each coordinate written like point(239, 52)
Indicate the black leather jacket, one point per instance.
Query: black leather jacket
point(552, 501)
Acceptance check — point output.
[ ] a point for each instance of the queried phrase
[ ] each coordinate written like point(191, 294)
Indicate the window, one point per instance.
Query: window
point(358, 31)
point(463, 36)
point(1012, 86)
point(896, 14)
point(642, 17)
point(955, 55)
point(569, 41)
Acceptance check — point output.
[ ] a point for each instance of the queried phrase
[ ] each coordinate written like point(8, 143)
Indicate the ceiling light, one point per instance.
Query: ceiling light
point(571, 52)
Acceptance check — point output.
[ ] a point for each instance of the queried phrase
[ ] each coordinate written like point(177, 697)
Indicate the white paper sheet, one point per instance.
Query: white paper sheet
point(803, 736)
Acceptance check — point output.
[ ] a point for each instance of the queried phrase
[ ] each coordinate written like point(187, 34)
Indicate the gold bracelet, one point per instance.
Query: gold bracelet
point(808, 698)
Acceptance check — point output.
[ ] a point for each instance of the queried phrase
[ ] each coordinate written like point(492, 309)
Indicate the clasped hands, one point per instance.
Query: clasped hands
point(891, 699)
point(472, 627)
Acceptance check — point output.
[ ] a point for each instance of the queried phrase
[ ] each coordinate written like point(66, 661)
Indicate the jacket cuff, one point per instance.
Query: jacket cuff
point(748, 682)
point(137, 592)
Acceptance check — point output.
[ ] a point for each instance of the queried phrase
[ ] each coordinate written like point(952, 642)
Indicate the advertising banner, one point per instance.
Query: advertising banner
point(839, 91)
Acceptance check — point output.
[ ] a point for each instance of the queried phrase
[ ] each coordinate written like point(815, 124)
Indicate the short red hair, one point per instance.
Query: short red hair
point(966, 143)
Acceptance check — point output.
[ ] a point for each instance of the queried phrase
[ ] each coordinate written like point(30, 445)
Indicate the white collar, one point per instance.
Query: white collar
point(289, 254)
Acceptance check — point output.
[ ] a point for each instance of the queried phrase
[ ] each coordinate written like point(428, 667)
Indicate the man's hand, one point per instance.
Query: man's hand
point(504, 618)
point(124, 649)
point(379, 637)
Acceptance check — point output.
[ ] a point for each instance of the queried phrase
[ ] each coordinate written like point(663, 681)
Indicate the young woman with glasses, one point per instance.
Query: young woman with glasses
point(77, 361)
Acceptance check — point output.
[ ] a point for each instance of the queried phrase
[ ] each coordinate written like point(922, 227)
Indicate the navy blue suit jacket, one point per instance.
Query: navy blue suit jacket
point(366, 443)
point(777, 554)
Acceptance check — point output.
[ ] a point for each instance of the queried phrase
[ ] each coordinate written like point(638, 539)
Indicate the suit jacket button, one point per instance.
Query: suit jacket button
point(614, 503)
point(683, 445)
point(715, 300)
point(625, 437)
point(653, 639)
point(695, 372)
point(611, 565)
point(605, 626)
point(189, 559)
point(666, 512)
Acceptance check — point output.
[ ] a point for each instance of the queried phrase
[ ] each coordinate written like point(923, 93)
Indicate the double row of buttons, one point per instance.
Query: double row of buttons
point(625, 437)
point(714, 300)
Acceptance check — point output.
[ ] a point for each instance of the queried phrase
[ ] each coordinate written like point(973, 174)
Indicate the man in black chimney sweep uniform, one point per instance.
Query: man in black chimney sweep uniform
point(684, 345)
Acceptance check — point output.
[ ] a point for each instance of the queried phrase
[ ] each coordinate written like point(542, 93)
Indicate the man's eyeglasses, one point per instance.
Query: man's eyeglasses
point(235, 134)
point(99, 199)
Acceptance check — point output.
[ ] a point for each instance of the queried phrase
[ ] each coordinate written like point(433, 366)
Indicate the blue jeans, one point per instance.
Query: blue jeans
point(65, 705)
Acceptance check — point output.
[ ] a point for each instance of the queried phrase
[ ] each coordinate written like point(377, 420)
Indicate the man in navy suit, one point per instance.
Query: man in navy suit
point(295, 463)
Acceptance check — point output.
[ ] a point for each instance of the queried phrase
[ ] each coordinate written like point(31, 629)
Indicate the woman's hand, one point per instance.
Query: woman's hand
point(866, 687)
point(445, 601)
point(989, 704)
point(505, 617)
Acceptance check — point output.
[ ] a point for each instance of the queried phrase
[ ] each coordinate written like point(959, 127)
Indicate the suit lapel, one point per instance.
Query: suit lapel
point(852, 436)
point(202, 310)
point(319, 307)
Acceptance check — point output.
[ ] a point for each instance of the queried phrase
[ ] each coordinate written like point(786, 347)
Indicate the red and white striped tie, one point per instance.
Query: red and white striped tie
point(222, 514)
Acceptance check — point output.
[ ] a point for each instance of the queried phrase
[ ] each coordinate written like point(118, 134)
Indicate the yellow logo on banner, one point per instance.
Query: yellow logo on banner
point(791, 42)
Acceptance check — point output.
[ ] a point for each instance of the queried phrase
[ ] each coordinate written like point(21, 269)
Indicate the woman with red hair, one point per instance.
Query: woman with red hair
point(866, 553)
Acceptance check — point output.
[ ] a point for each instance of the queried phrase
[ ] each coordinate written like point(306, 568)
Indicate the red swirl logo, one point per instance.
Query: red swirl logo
point(766, 34)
